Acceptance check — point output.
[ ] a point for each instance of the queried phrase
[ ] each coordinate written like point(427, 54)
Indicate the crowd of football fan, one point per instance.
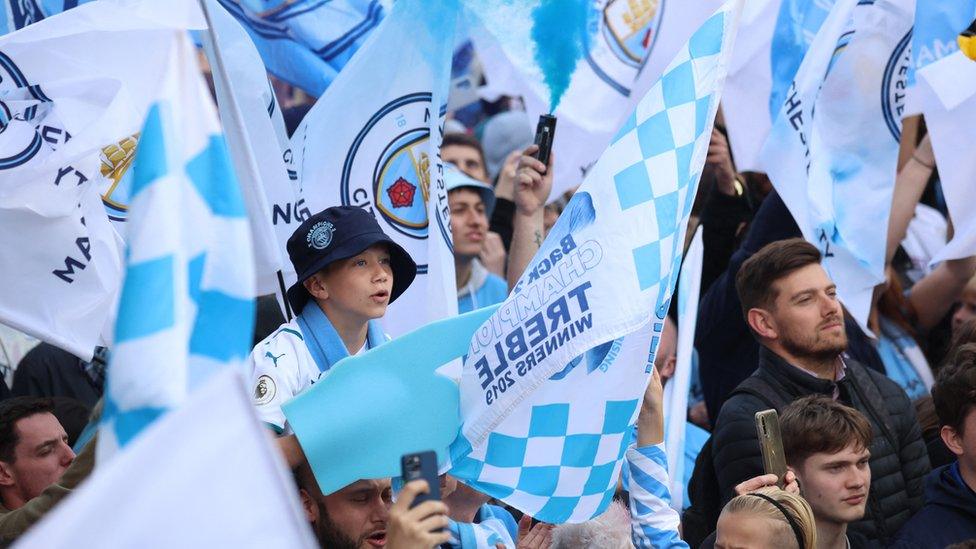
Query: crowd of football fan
point(879, 431)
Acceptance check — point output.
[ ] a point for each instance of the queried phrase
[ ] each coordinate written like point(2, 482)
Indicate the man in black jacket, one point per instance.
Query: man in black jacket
point(727, 354)
point(791, 306)
point(949, 514)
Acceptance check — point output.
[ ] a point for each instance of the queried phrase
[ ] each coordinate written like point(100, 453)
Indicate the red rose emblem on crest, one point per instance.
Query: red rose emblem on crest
point(402, 193)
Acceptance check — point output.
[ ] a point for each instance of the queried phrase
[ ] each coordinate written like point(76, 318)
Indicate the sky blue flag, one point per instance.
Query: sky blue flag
point(187, 303)
point(936, 26)
point(17, 14)
point(307, 42)
point(798, 22)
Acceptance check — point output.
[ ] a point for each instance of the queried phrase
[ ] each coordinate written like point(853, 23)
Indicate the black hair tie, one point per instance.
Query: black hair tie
point(789, 518)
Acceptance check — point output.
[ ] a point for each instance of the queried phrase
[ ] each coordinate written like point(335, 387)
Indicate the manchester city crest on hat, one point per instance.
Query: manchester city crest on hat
point(320, 236)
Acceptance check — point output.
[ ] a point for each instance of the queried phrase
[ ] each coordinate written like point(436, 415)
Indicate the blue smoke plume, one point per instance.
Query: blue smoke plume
point(559, 30)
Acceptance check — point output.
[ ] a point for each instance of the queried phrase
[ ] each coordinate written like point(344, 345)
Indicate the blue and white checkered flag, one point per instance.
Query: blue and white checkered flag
point(187, 307)
point(552, 382)
point(307, 42)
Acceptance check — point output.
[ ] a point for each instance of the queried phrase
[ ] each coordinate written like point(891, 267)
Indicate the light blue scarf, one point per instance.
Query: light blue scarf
point(323, 341)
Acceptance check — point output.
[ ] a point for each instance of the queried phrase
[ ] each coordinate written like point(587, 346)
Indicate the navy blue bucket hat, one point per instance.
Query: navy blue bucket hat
point(339, 233)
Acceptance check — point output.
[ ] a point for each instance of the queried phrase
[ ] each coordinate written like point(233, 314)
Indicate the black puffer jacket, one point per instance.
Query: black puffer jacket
point(899, 461)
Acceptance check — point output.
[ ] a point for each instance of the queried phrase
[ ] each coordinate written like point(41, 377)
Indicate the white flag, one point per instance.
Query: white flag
point(745, 102)
point(373, 141)
point(676, 391)
point(71, 85)
point(946, 93)
point(626, 46)
point(249, 114)
point(552, 381)
point(834, 147)
point(205, 476)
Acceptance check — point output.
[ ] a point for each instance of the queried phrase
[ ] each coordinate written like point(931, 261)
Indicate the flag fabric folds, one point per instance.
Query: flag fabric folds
point(776, 35)
point(552, 381)
point(251, 117)
point(17, 14)
point(676, 390)
point(745, 101)
point(945, 91)
point(202, 468)
point(625, 48)
point(373, 141)
point(307, 42)
point(187, 301)
point(834, 145)
point(70, 121)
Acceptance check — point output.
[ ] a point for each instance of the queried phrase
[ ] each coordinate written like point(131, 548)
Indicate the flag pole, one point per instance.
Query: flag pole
point(254, 195)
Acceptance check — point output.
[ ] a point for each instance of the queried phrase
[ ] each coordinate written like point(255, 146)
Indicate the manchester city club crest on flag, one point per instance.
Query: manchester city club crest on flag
point(68, 117)
point(393, 153)
point(115, 177)
point(626, 32)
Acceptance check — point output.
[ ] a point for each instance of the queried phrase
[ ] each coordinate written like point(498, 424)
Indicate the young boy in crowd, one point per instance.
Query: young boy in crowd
point(826, 445)
point(471, 202)
point(949, 513)
point(349, 271)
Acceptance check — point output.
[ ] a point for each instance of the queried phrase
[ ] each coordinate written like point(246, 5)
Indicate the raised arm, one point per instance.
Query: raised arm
point(909, 186)
point(934, 295)
point(654, 524)
point(528, 230)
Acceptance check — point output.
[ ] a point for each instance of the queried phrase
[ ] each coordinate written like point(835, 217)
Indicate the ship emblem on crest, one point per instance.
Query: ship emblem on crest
point(630, 27)
point(620, 37)
point(116, 159)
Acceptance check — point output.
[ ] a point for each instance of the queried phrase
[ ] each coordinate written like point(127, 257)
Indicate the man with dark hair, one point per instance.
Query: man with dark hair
point(34, 450)
point(465, 152)
point(37, 467)
point(471, 202)
point(826, 445)
point(949, 514)
point(362, 515)
point(791, 307)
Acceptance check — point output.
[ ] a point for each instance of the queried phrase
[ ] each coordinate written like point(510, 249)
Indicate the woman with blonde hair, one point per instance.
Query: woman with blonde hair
point(765, 519)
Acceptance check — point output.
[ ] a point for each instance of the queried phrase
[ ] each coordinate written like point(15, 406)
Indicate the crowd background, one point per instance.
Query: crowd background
point(879, 425)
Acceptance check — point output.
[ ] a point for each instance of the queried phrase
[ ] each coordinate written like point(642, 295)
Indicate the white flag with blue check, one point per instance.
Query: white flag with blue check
point(677, 388)
point(834, 146)
point(373, 141)
point(552, 381)
point(945, 91)
point(307, 42)
point(610, 53)
point(187, 304)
